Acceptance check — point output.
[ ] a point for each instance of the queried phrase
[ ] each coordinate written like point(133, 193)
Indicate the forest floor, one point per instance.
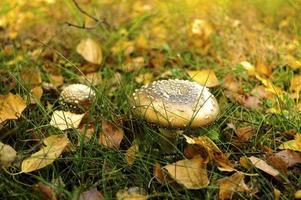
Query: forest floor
point(247, 52)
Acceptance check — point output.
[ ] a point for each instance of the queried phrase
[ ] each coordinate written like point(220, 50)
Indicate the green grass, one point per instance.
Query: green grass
point(92, 165)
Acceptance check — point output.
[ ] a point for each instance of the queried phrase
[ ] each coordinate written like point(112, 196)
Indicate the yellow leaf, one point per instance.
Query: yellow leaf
point(90, 50)
point(232, 184)
point(11, 107)
point(277, 194)
point(36, 94)
point(205, 77)
point(298, 194)
point(7, 155)
point(296, 84)
point(249, 68)
point(192, 174)
point(132, 193)
point(64, 120)
point(31, 76)
point(144, 78)
point(52, 149)
point(131, 153)
point(294, 145)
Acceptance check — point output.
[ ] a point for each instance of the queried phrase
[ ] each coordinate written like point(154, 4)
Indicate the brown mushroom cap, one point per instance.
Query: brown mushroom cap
point(77, 96)
point(175, 103)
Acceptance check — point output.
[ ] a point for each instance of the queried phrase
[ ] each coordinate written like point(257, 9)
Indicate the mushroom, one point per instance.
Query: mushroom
point(77, 97)
point(175, 103)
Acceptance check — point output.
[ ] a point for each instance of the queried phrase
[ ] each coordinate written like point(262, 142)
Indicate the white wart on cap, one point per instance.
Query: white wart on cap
point(175, 103)
point(77, 97)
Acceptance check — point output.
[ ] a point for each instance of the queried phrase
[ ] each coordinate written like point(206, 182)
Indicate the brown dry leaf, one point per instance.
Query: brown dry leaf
point(228, 186)
point(7, 155)
point(231, 84)
point(31, 76)
point(214, 153)
point(205, 77)
point(262, 92)
point(90, 50)
point(262, 165)
point(11, 107)
point(245, 133)
point(192, 174)
point(36, 94)
point(52, 148)
point(46, 191)
point(246, 100)
point(298, 194)
point(144, 78)
point(132, 193)
point(111, 136)
point(64, 120)
point(294, 145)
point(277, 194)
point(284, 159)
point(92, 194)
point(158, 173)
point(131, 153)
point(87, 131)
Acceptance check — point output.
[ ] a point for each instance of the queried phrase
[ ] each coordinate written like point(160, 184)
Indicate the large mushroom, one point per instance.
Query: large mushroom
point(175, 104)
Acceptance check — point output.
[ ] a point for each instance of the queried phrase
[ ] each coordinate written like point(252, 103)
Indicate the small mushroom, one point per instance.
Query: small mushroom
point(77, 97)
point(175, 103)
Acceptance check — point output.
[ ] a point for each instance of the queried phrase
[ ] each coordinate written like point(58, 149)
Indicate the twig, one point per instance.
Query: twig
point(83, 26)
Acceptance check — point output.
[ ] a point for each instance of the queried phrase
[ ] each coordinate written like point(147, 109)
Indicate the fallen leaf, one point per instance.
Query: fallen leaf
point(214, 153)
point(64, 120)
point(296, 84)
point(245, 162)
point(277, 194)
point(46, 191)
point(192, 173)
point(294, 145)
point(245, 133)
point(52, 148)
point(132, 193)
point(262, 165)
point(231, 84)
point(131, 153)
point(262, 92)
point(246, 100)
point(251, 70)
point(11, 107)
point(144, 78)
point(263, 69)
point(31, 76)
point(228, 186)
point(90, 50)
point(292, 62)
point(36, 94)
point(298, 194)
point(111, 136)
point(133, 64)
point(87, 131)
point(158, 173)
point(205, 77)
point(92, 194)
point(284, 159)
point(7, 155)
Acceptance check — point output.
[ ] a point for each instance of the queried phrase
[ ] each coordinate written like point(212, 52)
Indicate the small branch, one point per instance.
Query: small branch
point(83, 26)
point(84, 12)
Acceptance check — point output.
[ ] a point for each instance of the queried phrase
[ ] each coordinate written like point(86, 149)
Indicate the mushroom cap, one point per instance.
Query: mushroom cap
point(175, 103)
point(77, 96)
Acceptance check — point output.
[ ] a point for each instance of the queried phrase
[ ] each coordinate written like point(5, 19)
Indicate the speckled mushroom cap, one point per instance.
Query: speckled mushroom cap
point(175, 103)
point(77, 97)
